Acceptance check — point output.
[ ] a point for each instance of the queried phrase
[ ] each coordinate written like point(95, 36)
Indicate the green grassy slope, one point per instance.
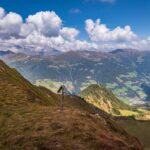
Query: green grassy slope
point(102, 98)
point(140, 129)
point(30, 118)
point(13, 85)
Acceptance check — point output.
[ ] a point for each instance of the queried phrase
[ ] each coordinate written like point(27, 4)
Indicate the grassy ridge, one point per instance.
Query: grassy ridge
point(104, 99)
point(30, 118)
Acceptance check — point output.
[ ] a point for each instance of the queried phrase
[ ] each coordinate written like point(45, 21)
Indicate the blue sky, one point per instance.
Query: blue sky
point(113, 24)
point(120, 13)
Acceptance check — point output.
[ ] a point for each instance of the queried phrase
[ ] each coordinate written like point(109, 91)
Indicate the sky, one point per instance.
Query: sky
point(64, 25)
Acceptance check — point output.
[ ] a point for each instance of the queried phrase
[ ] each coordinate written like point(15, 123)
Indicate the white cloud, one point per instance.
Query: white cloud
point(148, 38)
point(2, 12)
point(27, 29)
point(10, 24)
point(75, 11)
point(100, 32)
point(69, 33)
point(141, 44)
point(44, 31)
point(46, 23)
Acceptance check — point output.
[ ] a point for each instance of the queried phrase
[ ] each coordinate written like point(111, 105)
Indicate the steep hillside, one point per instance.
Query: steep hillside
point(104, 99)
point(126, 72)
point(30, 118)
point(138, 128)
point(15, 90)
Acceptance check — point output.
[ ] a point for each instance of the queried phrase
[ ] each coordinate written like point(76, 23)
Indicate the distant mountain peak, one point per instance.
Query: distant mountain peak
point(123, 51)
point(3, 53)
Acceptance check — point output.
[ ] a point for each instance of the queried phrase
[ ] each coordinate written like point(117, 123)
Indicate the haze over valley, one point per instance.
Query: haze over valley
point(125, 72)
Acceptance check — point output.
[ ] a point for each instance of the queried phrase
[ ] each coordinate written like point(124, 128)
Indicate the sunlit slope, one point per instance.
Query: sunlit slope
point(104, 99)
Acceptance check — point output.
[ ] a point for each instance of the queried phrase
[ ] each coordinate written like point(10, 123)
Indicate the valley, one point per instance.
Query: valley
point(125, 72)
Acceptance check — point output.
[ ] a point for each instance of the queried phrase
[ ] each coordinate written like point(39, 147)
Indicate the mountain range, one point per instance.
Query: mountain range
point(125, 72)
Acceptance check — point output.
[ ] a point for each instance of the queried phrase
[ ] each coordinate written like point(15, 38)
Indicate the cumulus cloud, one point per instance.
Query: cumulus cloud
point(100, 32)
point(10, 24)
point(2, 12)
point(44, 31)
point(69, 33)
point(27, 29)
point(46, 23)
point(38, 43)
